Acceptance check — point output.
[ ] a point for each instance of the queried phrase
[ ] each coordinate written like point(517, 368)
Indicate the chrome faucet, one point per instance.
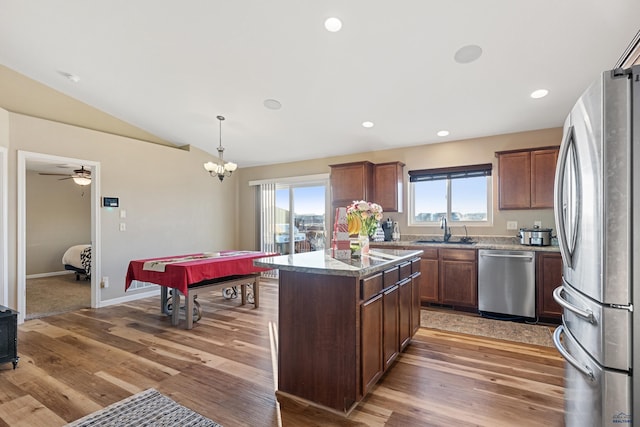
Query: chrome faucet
point(447, 230)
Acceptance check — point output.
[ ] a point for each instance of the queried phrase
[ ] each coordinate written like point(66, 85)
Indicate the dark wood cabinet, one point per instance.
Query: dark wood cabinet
point(405, 326)
point(388, 182)
point(416, 275)
point(525, 178)
point(548, 277)
point(447, 276)
point(427, 282)
point(372, 362)
point(543, 173)
point(381, 183)
point(458, 277)
point(390, 340)
point(351, 181)
point(8, 336)
point(339, 333)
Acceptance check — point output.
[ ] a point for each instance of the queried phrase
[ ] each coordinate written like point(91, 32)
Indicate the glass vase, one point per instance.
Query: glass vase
point(363, 238)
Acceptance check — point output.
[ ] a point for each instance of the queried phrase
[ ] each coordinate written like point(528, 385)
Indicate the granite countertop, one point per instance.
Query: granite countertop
point(320, 262)
point(478, 242)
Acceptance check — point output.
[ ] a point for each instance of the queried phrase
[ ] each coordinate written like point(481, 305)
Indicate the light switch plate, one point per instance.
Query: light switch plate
point(512, 225)
point(123, 226)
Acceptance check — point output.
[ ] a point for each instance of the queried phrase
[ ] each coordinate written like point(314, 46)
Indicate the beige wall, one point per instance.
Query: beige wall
point(58, 216)
point(465, 152)
point(173, 206)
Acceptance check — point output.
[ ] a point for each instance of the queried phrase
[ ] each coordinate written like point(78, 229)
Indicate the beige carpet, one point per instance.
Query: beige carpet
point(47, 296)
point(476, 325)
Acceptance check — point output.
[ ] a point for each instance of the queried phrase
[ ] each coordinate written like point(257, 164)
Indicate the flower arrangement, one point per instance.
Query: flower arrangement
point(363, 217)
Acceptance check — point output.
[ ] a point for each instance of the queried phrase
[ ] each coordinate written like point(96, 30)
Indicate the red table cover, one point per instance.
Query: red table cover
point(181, 275)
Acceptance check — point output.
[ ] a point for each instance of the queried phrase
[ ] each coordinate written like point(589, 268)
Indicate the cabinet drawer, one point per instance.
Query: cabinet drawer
point(430, 253)
point(371, 286)
point(458, 254)
point(391, 277)
point(405, 271)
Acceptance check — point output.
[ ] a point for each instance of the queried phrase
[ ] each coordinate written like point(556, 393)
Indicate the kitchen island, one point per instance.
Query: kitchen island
point(342, 323)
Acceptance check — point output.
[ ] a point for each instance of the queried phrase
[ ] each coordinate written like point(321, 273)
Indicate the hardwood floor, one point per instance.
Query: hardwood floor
point(76, 363)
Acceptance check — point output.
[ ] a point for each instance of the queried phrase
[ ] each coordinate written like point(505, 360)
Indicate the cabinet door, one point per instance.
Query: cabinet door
point(543, 172)
point(458, 277)
point(415, 302)
point(514, 180)
point(351, 181)
point(371, 342)
point(405, 329)
point(427, 281)
point(390, 341)
point(387, 186)
point(548, 277)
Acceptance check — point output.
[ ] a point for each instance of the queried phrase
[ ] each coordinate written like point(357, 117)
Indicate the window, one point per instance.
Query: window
point(461, 194)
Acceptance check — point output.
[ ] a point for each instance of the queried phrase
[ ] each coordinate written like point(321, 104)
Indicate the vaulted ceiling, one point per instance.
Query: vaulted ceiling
point(162, 70)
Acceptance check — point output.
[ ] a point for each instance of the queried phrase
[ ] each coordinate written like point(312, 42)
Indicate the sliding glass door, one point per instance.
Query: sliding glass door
point(300, 217)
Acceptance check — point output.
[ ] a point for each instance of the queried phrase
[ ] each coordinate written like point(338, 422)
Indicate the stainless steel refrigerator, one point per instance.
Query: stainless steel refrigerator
point(597, 183)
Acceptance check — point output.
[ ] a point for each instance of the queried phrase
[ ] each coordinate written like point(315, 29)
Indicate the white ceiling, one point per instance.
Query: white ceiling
point(170, 67)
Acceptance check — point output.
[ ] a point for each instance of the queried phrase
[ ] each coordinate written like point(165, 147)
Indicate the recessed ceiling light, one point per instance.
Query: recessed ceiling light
point(333, 24)
point(540, 93)
point(272, 104)
point(443, 133)
point(468, 53)
point(367, 124)
point(69, 76)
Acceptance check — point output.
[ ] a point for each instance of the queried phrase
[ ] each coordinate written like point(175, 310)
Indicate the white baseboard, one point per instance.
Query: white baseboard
point(129, 298)
point(51, 274)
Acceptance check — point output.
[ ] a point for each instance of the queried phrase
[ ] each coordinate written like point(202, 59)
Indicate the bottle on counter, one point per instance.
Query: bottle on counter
point(395, 235)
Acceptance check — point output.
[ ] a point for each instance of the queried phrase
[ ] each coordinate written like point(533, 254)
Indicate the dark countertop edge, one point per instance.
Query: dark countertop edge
point(352, 271)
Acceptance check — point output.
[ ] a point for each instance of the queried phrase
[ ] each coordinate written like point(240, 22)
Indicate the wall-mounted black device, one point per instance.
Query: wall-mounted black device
point(110, 202)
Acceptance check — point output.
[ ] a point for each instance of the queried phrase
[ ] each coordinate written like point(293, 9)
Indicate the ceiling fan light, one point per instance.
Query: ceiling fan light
point(81, 180)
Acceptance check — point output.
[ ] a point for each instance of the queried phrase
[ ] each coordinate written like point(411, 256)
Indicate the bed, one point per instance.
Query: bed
point(78, 259)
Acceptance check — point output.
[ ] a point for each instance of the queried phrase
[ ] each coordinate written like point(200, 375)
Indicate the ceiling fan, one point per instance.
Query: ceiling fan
point(80, 176)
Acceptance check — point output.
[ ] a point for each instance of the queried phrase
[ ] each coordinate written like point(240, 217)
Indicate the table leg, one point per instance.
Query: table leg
point(163, 300)
point(256, 291)
point(244, 294)
point(175, 311)
point(188, 307)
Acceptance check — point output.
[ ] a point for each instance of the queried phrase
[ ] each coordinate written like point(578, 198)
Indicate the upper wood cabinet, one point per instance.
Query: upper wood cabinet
point(525, 178)
point(387, 185)
point(351, 181)
point(380, 183)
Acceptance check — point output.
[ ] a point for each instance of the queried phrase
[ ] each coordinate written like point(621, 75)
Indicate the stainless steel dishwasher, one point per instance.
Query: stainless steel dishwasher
point(507, 282)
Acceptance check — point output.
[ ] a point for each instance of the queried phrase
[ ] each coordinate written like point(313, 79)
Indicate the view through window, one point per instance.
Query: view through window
point(299, 218)
point(459, 197)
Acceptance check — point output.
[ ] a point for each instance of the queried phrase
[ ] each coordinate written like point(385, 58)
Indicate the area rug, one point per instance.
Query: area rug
point(148, 408)
point(476, 325)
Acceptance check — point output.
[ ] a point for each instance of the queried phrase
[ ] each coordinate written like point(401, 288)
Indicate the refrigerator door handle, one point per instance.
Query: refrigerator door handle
point(584, 370)
point(564, 217)
point(585, 314)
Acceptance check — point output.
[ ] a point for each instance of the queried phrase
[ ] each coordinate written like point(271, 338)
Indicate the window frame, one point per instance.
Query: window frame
point(449, 174)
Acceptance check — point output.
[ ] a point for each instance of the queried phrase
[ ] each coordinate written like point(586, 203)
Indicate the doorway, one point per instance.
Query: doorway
point(4, 245)
point(39, 165)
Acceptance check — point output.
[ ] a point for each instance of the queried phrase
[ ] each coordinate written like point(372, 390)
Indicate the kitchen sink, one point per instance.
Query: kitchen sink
point(449, 242)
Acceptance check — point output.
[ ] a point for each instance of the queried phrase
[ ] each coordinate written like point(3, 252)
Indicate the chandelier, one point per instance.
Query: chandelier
point(221, 169)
